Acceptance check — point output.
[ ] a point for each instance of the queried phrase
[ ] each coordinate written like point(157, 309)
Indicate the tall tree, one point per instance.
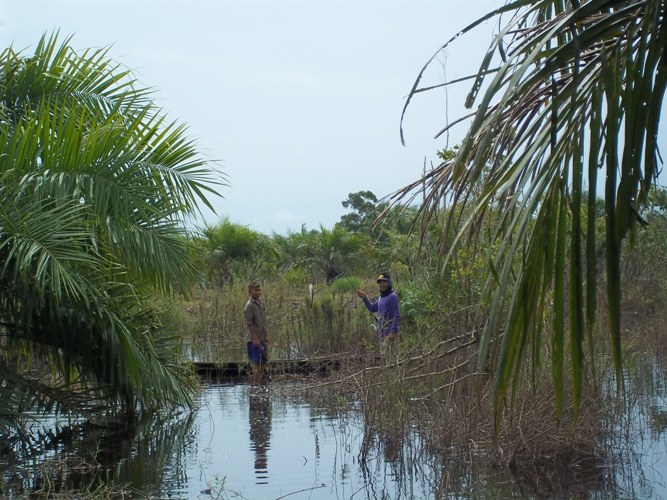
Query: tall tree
point(570, 88)
point(375, 217)
point(365, 209)
point(95, 189)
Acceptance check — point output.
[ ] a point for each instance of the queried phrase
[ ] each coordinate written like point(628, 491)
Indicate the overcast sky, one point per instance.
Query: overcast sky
point(299, 100)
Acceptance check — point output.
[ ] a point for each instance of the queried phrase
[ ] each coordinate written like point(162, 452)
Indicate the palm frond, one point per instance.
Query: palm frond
point(96, 186)
point(570, 80)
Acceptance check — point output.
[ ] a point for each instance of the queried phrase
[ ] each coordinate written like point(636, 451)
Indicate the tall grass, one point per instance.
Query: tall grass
point(330, 321)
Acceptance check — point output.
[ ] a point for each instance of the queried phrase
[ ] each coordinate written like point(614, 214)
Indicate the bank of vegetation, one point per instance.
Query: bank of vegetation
point(435, 380)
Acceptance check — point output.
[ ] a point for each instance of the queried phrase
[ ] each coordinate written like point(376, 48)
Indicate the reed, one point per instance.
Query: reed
point(330, 321)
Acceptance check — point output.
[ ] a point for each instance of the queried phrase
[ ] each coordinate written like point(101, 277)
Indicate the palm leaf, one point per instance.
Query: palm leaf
point(594, 71)
point(96, 189)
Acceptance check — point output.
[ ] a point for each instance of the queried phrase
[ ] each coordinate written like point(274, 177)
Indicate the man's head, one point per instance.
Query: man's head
point(384, 280)
point(254, 289)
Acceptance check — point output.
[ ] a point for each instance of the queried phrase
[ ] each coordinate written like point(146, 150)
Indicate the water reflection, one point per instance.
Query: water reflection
point(259, 417)
point(275, 441)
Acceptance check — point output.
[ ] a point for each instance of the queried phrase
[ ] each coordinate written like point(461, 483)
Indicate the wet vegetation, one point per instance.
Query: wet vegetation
point(433, 381)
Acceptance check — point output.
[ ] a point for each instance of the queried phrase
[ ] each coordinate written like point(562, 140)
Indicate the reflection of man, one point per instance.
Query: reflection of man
point(392, 447)
point(259, 416)
point(258, 336)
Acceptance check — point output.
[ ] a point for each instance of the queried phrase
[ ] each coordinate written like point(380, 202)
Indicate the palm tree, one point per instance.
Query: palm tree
point(95, 189)
point(567, 89)
point(234, 251)
point(327, 252)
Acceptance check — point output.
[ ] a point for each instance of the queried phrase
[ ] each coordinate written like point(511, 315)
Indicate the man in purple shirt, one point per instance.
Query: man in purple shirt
point(386, 308)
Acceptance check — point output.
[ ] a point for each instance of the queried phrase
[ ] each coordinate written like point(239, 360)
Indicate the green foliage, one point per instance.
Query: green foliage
point(581, 90)
point(345, 284)
point(323, 254)
point(294, 276)
point(645, 253)
point(378, 219)
point(236, 251)
point(95, 189)
point(365, 210)
point(418, 302)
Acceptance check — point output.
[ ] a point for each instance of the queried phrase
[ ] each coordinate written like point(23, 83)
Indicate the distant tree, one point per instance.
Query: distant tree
point(327, 252)
point(365, 209)
point(376, 217)
point(234, 250)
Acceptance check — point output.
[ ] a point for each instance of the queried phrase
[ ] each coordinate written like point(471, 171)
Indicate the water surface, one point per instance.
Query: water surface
point(255, 442)
point(282, 440)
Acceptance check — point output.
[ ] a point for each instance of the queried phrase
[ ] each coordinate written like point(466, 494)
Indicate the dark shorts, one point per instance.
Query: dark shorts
point(257, 355)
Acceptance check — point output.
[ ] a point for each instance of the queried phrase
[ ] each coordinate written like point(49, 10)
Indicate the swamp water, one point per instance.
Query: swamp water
point(272, 442)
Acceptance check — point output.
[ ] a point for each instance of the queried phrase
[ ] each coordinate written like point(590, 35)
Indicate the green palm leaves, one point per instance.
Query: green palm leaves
point(575, 88)
point(95, 187)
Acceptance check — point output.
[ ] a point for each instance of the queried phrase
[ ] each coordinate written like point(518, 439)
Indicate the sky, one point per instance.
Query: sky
point(297, 102)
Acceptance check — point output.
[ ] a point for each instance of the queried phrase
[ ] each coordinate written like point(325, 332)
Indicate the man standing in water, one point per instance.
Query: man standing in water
point(258, 336)
point(387, 309)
